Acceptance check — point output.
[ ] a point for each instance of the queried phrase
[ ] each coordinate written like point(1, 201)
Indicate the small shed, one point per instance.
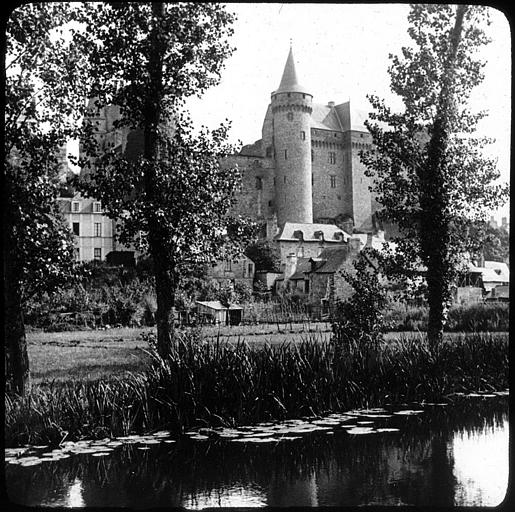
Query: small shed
point(213, 311)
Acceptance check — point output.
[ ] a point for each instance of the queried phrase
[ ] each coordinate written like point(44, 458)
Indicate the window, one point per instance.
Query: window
point(250, 269)
point(289, 95)
point(76, 253)
point(97, 207)
point(97, 253)
point(76, 228)
point(286, 154)
point(312, 156)
point(285, 179)
point(306, 286)
point(333, 181)
point(98, 229)
point(302, 135)
point(228, 265)
point(259, 183)
point(75, 206)
point(269, 203)
point(269, 151)
point(275, 181)
point(332, 157)
point(289, 116)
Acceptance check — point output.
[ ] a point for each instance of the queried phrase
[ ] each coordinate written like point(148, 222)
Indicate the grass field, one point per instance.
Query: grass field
point(89, 355)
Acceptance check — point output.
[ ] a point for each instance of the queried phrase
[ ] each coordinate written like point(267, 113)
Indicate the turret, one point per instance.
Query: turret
point(291, 109)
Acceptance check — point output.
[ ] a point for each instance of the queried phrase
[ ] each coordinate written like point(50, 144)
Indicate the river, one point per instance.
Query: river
point(452, 453)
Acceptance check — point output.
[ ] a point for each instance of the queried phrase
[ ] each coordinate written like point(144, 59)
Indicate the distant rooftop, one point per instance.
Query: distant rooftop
point(312, 232)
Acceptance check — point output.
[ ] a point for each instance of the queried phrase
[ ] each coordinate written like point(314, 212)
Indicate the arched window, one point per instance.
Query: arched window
point(259, 183)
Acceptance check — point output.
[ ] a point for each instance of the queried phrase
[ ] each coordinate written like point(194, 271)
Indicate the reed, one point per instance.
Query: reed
point(218, 383)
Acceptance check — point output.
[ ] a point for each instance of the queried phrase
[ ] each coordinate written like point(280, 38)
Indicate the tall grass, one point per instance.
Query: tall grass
point(217, 383)
point(478, 317)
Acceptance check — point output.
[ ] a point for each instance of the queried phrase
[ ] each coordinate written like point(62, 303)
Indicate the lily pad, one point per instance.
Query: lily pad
point(361, 430)
point(143, 448)
point(408, 412)
point(170, 441)
point(100, 454)
point(199, 437)
point(387, 430)
point(31, 462)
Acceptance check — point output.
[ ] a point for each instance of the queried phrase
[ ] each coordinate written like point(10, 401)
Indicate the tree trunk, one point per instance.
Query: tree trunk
point(163, 268)
point(434, 222)
point(16, 357)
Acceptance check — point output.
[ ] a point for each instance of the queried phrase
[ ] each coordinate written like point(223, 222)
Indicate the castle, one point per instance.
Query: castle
point(303, 181)
point(306, 168)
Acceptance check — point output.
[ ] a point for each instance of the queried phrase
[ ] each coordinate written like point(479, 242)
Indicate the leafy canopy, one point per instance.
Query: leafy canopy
point(44, 96)
point(435, 207)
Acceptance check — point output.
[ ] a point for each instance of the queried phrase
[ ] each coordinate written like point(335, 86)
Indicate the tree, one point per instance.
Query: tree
point(145, 59)
point(43, 102)
point(430, 174)
point(360, 318)
point(265, 255)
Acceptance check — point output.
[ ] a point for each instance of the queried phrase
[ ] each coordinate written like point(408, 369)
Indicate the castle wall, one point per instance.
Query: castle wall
point(256, 198)
point(328, 164)
point(361, 196)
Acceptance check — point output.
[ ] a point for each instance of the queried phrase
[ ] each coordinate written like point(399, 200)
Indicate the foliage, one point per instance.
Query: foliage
point(174, 198)
point(44, 100)
point(361, 316)
point(492, 243)
point(430, 174)
point(265, 255)
point(216, 383)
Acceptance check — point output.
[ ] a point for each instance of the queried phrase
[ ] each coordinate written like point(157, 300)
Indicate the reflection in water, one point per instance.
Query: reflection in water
point(438, 458)
point(75, 495)
point(236, 496)
point(481, 466)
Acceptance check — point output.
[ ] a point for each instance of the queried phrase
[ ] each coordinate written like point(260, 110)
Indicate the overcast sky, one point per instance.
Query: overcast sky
point(341, 53)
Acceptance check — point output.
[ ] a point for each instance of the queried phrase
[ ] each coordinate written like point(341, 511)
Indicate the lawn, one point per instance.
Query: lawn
point(95, 354)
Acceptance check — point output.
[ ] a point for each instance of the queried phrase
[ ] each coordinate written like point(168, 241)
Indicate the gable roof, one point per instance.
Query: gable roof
point(330, 232)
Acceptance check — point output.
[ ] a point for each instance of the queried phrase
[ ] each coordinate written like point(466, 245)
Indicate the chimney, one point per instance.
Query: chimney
point(354, 244)
point(330, 104)
point(291, 265)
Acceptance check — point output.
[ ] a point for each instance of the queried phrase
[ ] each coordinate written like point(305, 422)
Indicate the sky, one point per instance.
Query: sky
point(341, 52)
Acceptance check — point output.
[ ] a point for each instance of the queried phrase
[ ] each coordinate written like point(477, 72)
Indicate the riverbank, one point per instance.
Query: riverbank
point(234, 384)
point(97, 354)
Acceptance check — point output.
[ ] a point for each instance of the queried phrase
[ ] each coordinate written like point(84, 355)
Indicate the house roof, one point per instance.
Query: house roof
point(489, 275)
point(331, 260)
point(501, 269)
point(303, 265)
point(329, 232)
point(217, 305)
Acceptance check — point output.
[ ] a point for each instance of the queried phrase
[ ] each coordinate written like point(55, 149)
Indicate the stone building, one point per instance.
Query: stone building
point(306, 166)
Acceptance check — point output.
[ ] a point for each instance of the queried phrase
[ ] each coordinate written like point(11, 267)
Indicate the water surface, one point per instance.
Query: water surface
point(441, 455)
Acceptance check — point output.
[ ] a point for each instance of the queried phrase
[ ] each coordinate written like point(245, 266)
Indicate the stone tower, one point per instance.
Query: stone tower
point(291, 110)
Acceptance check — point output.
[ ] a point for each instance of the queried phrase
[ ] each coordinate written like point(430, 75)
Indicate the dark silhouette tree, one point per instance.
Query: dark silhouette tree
point(430, 174)
point(175, 197)
point(44, 96)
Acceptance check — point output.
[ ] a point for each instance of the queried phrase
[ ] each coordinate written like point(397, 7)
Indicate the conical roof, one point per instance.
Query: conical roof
point(289, 81)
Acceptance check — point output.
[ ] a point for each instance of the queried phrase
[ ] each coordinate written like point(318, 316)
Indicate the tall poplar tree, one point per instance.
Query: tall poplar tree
point(174, 197)
point(44, 96)
point(430, 173)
